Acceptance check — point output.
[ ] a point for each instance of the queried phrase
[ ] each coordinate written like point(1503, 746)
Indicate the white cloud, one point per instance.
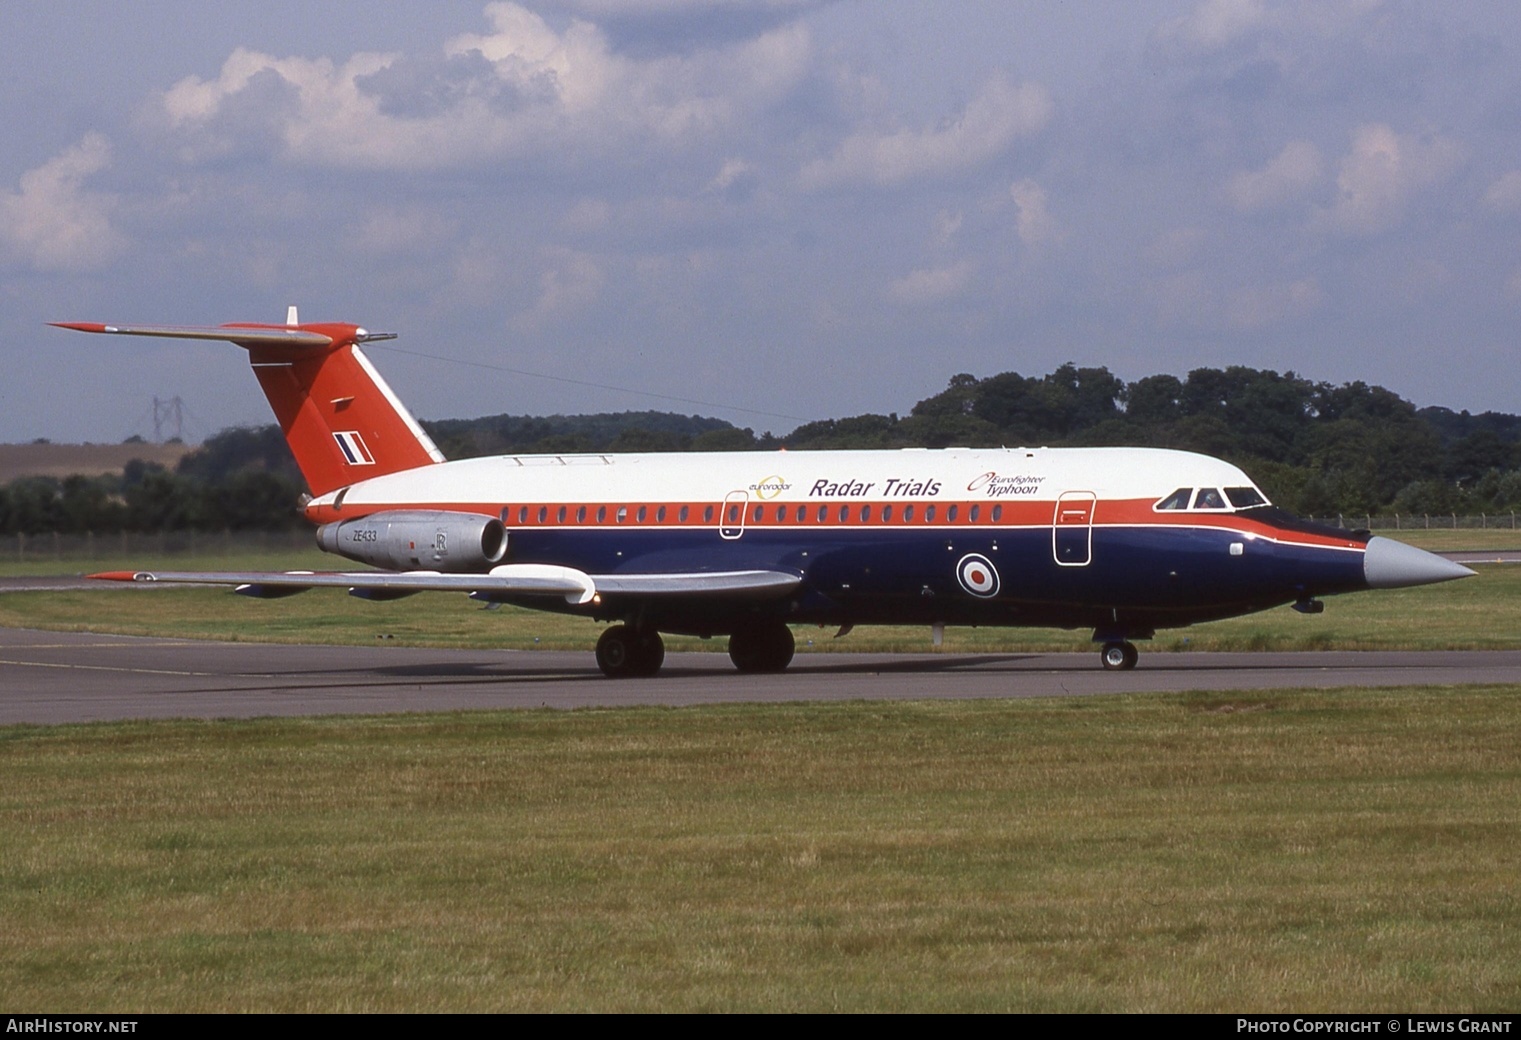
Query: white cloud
point(985, 129)
point(1258, 306)
point(1287, 177)
point(1215, 23)
point(521, 90)
point(933, 285)
point(569, 285)
point(947, 226)
point(1034, 222)
point(1176, 247)
point(406, 232)
point(53, 223)
point(1513, 285)
point(1383, 172)
point(664, 8)
point(1504, 195)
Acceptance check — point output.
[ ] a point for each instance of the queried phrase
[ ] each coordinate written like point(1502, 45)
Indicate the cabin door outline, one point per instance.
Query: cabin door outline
point(731, 514)
point(1072, 529)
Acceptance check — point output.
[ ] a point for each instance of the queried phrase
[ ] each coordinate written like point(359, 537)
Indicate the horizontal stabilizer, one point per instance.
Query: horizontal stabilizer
point(342, 421)
point(245, 335)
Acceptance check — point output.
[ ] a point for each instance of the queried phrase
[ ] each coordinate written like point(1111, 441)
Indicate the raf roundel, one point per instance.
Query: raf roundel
point(978, 575)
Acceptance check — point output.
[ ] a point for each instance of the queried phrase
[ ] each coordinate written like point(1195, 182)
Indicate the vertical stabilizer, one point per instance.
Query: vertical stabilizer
point(341, 420)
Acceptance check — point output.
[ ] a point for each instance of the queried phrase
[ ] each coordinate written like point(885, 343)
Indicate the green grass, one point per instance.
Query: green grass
point(1459, 540)
point(1338, 850)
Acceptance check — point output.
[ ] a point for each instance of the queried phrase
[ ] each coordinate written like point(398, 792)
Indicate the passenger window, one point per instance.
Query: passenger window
point(543, 514)
point(908, 514)
point(602, 514)
point(659, 515)
point(975, 514)
point(760, 511)
point(1208, 498)
point(865, 514)
point(844, 514)
point(581, 515)
point(950, 514)
point(887, 513)
point(707, 515)
point(560, 516)
point(929, 514)
point(522, 515)
point(823, 514)
point(997, 513)
point(1177, 500)
point(621, 515)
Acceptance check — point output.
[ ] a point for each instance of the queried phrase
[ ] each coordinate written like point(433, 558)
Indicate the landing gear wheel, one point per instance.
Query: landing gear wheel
point(1119, 657)
point(623, 653)
point(764, 648)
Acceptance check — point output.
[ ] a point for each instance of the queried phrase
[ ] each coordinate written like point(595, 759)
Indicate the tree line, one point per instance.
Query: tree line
point(1314, 447)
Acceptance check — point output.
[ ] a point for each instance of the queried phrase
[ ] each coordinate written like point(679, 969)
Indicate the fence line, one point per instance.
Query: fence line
point(89, 546)
point(1422, 521)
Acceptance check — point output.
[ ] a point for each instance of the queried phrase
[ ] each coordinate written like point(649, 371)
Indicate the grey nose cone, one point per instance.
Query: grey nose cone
point(1388, 564)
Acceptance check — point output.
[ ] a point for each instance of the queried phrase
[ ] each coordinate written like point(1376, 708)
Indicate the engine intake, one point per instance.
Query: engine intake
point(407, 540)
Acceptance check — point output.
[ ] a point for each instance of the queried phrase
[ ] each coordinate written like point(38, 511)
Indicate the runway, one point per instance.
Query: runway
point(53, 677)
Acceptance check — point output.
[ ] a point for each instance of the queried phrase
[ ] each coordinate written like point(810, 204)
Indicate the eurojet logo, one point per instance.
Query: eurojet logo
point(352, 446)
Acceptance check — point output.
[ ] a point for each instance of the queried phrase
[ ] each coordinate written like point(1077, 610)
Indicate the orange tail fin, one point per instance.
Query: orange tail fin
point(341, 420)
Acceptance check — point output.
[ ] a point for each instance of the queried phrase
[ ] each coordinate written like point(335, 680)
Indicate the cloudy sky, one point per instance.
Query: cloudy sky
point(765, 210)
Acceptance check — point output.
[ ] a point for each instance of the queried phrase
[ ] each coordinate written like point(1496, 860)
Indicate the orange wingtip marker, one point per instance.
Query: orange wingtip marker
point(113, 576)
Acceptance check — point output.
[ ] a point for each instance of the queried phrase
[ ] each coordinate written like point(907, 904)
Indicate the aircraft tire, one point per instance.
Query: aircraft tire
point(623, 653)
point(765, 648)
point(1119, 656)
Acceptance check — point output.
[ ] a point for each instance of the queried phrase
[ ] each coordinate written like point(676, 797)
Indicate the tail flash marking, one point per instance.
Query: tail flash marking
point(352, 446)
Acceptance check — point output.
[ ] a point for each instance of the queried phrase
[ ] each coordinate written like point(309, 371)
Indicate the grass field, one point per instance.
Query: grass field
point(1292, 851)
point(1337, 850)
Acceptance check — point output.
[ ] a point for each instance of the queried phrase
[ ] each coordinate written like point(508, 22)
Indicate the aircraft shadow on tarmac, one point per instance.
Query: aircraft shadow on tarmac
point(507, 671)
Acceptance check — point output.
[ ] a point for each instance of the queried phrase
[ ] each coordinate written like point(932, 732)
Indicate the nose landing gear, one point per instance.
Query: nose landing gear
point(1119, 656)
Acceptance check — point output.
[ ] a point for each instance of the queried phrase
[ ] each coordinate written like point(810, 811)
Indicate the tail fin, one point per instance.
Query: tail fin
point(341, 420)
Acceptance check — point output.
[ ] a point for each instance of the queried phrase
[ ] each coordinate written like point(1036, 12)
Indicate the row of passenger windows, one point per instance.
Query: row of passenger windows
point(563, 515)
point(781, 514)
point(1210, 498)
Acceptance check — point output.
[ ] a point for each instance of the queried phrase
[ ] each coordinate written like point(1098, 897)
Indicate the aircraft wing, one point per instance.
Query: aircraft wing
point(506, 582)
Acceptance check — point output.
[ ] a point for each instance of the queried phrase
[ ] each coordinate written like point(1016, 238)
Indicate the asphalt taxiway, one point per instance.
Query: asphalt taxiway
point(54, 677)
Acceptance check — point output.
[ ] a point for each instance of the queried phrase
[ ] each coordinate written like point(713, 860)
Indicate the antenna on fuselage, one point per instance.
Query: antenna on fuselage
point(290, 315)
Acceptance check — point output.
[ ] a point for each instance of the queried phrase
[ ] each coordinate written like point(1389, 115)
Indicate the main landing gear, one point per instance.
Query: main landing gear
point(764, 648)
point(625, 653)
point(1119, 656)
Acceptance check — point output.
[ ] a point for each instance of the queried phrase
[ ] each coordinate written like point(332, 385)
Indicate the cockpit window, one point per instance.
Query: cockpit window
point(1245, 497)
point(1177, 500)
point(1209, 498)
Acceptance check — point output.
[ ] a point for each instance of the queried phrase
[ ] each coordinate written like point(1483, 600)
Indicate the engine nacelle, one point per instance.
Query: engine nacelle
point(406, 540)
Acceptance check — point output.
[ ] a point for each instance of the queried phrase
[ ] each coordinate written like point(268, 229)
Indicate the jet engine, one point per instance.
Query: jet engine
point(409, 540)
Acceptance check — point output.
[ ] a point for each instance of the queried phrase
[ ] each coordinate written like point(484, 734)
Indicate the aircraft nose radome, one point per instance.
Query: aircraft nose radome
point(1388, 564)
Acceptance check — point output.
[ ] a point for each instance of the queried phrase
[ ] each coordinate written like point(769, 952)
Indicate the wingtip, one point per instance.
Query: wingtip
point(113, 576)
point(79, 326)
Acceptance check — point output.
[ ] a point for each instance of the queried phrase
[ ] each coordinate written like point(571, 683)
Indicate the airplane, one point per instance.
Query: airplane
point(1125, 541)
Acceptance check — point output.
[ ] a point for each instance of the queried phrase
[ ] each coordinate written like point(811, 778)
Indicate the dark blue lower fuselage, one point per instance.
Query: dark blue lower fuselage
point(1123, 581)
